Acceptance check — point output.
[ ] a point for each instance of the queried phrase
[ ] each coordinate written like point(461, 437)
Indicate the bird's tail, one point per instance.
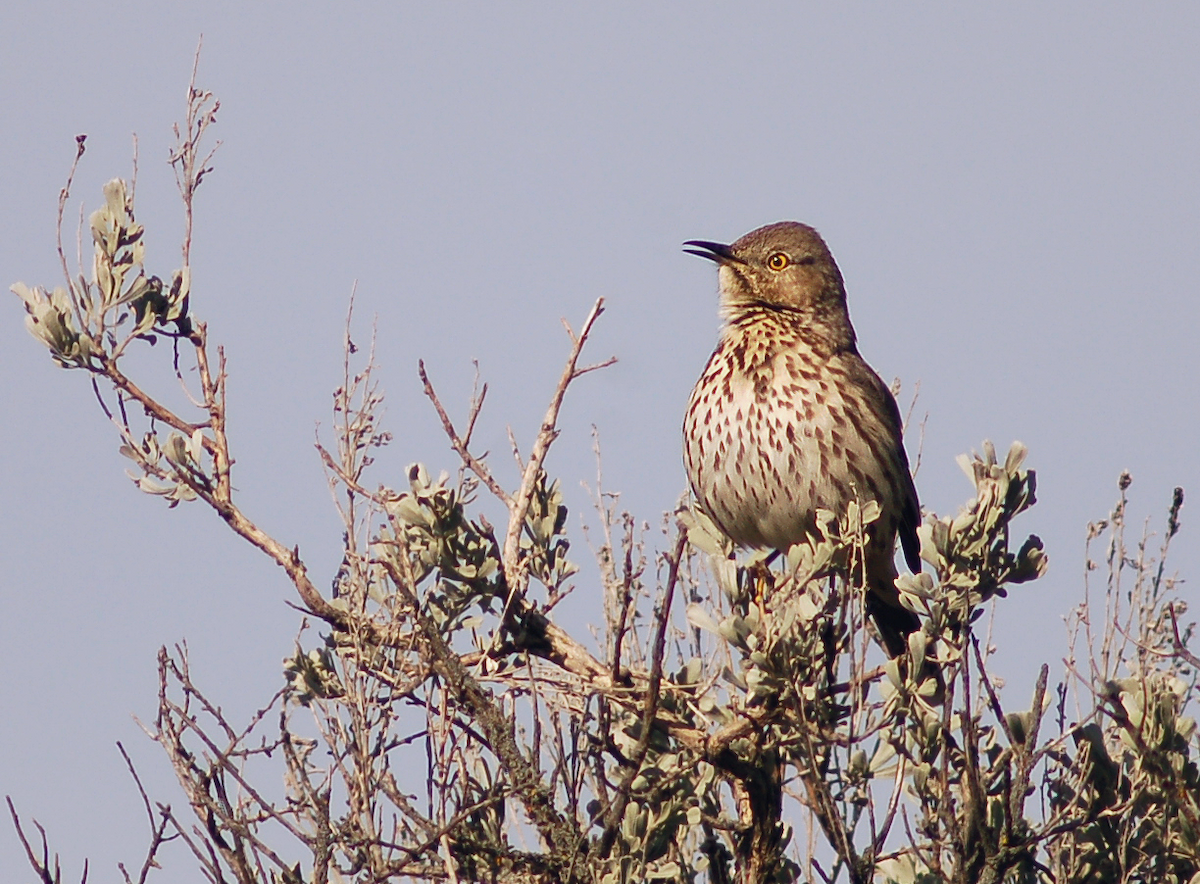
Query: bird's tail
point(893, 622)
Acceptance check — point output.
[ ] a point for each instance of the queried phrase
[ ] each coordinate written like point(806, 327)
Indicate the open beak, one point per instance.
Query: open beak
point(714, 251)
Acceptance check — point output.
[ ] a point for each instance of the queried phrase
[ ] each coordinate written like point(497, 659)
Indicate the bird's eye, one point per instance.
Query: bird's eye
point(777, 261)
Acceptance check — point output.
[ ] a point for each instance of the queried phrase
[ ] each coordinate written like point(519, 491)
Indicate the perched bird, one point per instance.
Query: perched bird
point(788, 418)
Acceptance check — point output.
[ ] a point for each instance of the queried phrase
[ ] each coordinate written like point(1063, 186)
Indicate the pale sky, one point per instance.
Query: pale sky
point(1012, 193)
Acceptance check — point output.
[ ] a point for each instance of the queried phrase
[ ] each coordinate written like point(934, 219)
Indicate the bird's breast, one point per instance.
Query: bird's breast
point(769, 440)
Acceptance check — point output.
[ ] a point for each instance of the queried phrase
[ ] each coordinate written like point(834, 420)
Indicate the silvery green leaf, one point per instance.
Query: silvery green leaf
point(1016, 456)
point(870, 511)
point(1032, 561)
point(633, 824)
point(725, 573)
point(136, 289)
point(916, 648)
point(668, 871)
point(892, 670)
point(733, 629)
point(29, 296)
point(104, 280)
point(920, 775)
point(114, 197)
point(800, 558)
point(732, 677)
point(919, 585)
point(967, 466)
point(700, 618)
point(782, 620)
point(406, 508)
point(884, 753)
point(150, 486)
point(938, 533)
point(181, 286)
point(86, 348)
point(1018, 725)
point(98, 222)
point(176, 450)
point(806, 608)
point(928, 688)
point(702, 532)
point(182, 493)
point(858, 763)
point(898, 870)
point(196, 446)
point(418, 477)
point(962, 522)
point(825, 522)
point(752, 620)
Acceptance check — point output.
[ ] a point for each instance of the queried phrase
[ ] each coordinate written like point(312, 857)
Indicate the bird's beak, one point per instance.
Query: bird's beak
point(714, 251)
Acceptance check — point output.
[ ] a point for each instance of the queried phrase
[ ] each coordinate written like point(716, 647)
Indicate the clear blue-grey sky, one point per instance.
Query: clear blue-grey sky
point(1012, 191)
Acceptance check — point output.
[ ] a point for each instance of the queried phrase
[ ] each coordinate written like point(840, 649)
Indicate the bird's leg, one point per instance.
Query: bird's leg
point(755, 580)
point(763, 580)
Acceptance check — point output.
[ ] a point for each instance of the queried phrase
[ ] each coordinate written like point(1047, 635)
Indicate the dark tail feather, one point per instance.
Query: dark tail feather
point(893, 623)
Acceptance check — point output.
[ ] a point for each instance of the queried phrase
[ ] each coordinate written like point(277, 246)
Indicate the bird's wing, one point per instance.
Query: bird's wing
point(887, 417)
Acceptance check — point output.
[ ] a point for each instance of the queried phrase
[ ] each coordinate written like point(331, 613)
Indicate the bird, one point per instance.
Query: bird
point(787, 418)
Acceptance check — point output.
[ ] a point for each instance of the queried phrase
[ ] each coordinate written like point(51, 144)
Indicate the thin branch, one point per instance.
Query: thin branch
point(157, 829)
point(46, 868)
point(616, 811)
point(561, 837)
point(63, 196)
point(1180, 648)
point(459, 444)
point(519, 505)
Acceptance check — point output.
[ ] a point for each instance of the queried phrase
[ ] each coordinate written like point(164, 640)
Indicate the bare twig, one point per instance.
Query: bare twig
point(158, 828)
point(519, 504)
point(45, 866)
point(616, 811)
point(63, 196)
point(459, 444)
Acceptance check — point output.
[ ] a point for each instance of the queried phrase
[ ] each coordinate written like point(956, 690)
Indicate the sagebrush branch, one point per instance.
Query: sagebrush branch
point(547, 433)
point(478, 467)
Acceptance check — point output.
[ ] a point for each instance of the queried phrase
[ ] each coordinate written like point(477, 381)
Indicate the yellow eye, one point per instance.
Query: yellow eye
point(777, 261)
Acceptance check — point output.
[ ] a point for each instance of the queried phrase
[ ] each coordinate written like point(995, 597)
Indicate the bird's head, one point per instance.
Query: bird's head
point(783, 265)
